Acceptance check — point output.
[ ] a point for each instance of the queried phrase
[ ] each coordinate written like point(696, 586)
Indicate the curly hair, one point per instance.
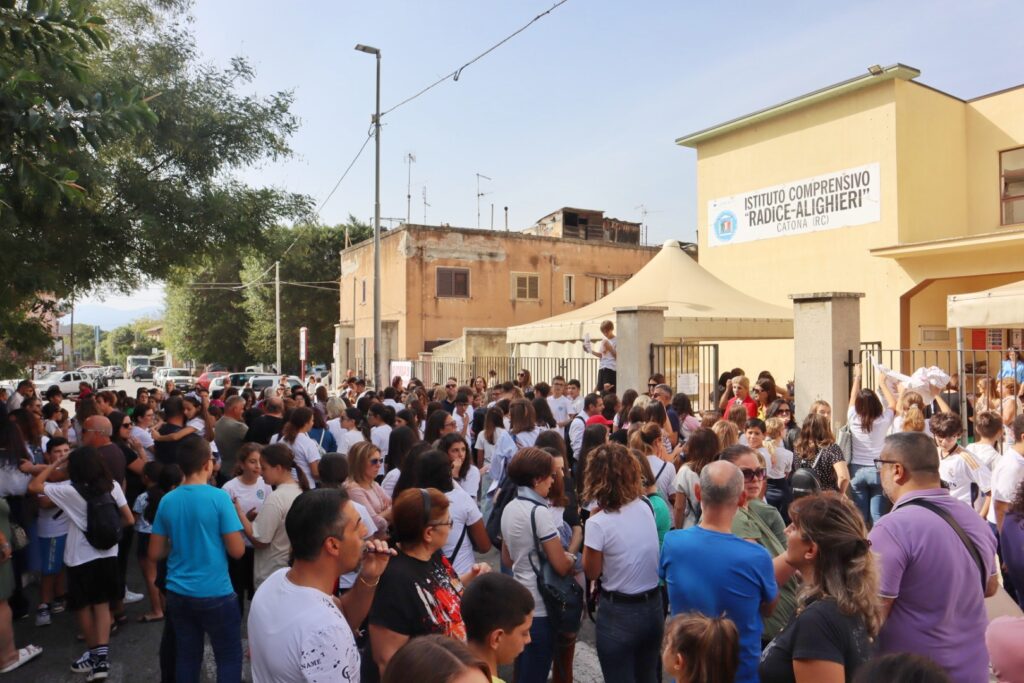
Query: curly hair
point(612, 477)
point(815, 434)
point(845, 568)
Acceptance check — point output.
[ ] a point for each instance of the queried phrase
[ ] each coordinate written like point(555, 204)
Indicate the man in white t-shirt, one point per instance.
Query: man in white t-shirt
point(296, 631)
point(559, 403)
point(1006, 477)
point(967, 477)
point(574, 390)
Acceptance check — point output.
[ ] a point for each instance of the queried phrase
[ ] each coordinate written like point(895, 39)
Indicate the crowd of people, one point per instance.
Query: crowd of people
point(345, 536)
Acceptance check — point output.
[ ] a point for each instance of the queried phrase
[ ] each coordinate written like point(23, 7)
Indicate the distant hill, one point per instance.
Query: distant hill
point(108, 317)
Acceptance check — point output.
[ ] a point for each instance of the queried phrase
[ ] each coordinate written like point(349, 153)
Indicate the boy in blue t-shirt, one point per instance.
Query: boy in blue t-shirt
point(708, 570)
point(202, 527)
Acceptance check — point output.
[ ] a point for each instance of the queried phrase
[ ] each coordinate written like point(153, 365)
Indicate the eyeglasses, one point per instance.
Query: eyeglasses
point(126, 425)
point(450, 386)
point(651, 385)
point(751, 475)
point(449, 523)
point(879, 462)
point(522, 374)
point(784, 412)
point(375, 461)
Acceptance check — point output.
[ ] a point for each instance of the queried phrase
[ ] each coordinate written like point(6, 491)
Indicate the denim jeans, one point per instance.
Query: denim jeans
point(191, 619)
point(629, 640)
point(533, 665)
point(867, 493)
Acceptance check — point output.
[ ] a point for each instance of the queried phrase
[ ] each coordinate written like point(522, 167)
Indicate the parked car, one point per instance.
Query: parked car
point(238, 379)
point(181, 377)
point(95, 375)
point(158, 376)
point(67, 380)
point(261, 382)
point(204, 379)
point(115, 372)
point(140, 372)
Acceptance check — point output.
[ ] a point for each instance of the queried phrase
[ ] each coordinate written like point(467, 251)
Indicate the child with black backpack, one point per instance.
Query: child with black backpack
point(98, 511)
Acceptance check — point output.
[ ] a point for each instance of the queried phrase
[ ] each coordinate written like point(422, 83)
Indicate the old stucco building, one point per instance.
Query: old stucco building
point(436, 281)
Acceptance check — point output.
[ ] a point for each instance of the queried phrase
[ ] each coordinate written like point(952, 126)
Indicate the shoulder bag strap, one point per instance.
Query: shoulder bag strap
point(458, 546)
point(964, 538)
point(658, 475)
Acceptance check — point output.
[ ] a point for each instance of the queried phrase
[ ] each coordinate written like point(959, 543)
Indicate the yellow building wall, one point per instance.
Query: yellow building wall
point(994, 123)
point(836, 134)
point(931, 163)
point(410, 259)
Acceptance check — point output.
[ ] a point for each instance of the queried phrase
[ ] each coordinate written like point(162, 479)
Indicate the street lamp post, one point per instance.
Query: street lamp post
point(376, 228)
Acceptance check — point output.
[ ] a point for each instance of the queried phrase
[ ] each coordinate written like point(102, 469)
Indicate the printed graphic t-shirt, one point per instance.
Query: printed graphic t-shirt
point(417, 598)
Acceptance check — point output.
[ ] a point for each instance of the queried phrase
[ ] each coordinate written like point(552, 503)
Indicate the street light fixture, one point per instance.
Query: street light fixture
point(376, 229)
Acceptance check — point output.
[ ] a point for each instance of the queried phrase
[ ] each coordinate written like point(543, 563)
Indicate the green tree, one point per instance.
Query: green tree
point(205, 322)
point(143, 182)
point(310, 271)
point(123, 341)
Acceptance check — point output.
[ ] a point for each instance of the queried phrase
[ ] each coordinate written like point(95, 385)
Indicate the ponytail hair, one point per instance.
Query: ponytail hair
point(280, 455)
point(299, 418)
point(709, 646)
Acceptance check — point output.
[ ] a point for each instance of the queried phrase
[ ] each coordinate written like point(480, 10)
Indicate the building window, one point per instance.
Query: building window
point(604, 286)
point(362, 296)
point(569, 289)
point(525, 286)
point(453, 282)
point(1011, 180)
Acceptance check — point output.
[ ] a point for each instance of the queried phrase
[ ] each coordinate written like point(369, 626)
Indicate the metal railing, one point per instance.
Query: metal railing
point(691, 369)
point(971, 365)
point(506, 368)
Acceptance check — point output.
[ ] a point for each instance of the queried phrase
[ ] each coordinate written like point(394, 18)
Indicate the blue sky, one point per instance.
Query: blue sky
point(579, 110)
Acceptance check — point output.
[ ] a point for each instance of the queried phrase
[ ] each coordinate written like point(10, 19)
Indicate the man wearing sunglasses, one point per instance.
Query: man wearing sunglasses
point(451, 389)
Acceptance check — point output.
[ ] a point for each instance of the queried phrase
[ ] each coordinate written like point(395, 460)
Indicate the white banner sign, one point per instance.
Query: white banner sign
point(836, 200)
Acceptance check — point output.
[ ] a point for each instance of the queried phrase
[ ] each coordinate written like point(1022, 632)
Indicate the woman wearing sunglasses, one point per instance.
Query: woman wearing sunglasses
point(754, 521)
point(364, 464)
point(419, 592)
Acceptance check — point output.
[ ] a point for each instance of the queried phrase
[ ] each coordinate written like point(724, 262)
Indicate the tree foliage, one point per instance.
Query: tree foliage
point(310, 272)
point(118, 149)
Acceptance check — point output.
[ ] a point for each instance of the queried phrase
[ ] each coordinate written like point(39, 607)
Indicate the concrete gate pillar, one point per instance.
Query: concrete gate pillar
point(636, 327)
point(826, 326)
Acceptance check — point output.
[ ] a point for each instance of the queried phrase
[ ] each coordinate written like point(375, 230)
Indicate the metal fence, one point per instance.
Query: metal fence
point(971, 365)
point(692, 369)
point(506, 368)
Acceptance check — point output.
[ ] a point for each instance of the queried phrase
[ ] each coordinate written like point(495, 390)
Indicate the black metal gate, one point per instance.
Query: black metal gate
point(692, 369)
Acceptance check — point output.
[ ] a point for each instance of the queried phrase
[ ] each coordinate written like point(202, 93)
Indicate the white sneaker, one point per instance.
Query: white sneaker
point(130, 597)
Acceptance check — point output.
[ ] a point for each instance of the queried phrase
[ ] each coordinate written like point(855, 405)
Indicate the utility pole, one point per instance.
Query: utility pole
point(277, 311)
point(425, 205)
point(479, 194)
point(410, 159)
point(71, 342)
point(506, 219)
point(492, 216)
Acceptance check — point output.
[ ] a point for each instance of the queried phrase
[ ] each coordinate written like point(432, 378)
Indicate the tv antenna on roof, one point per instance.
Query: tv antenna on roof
point(425, 205)
point(410, 159)
point(644, 212)
point(479, 194)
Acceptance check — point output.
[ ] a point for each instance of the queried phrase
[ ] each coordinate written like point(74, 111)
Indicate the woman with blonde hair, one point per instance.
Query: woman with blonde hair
point(648, 441)
point(364, 463)
point(1009, 406)
point(701, 649)
point(987, 395)
point(727, 432)
point(838, 613)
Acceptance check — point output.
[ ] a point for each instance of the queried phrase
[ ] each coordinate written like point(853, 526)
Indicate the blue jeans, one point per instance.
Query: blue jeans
point(192, 619)
point(533, 665)
point(629, 640)
point(867, 493)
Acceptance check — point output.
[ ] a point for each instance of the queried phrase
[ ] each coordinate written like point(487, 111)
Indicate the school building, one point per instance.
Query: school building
point(879, 184)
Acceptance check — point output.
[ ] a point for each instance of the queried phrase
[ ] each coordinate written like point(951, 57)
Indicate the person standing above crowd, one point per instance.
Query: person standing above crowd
point(837, 618)
point(607, 351)
point(709, 570)
point(620, 549)
point(931, 539)
point(297, 631)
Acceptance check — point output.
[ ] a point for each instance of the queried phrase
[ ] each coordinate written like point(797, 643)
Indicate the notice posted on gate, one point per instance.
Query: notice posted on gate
point(836, 200)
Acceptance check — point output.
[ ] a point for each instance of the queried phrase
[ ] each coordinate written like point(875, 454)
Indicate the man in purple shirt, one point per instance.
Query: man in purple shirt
point(933, 593)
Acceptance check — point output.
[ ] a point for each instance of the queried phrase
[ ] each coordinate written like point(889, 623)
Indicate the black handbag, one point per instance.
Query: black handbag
point(563, 597)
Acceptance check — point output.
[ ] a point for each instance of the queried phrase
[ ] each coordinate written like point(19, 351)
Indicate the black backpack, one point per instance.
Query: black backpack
point(571, 459)
point(103, 526)
point(506, 492)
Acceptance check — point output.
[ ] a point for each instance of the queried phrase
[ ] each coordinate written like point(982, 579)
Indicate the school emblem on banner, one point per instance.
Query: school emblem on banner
point(725, 226)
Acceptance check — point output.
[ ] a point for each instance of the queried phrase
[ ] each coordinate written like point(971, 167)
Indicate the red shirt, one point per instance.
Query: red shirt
point(748, 403)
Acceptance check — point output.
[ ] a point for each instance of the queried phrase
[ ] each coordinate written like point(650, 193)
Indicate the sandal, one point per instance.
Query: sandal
point(25, 655)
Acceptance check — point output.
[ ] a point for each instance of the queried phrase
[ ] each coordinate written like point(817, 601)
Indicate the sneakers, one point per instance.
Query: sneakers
point(43, 616)
point(130, 597)
point(84, 664)
point(100, 671)
point(58, 606)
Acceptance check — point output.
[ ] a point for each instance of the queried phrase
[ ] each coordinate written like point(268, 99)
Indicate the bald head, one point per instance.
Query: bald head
point(275, 406)
point(97, 431)
point(721, 484)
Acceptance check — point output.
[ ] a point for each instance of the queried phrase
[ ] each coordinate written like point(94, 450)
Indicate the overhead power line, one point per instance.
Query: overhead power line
point(454, 75)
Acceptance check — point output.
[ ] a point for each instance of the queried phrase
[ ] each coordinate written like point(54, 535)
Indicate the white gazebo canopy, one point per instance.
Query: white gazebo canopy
point(698, 306)
point(997, 307)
